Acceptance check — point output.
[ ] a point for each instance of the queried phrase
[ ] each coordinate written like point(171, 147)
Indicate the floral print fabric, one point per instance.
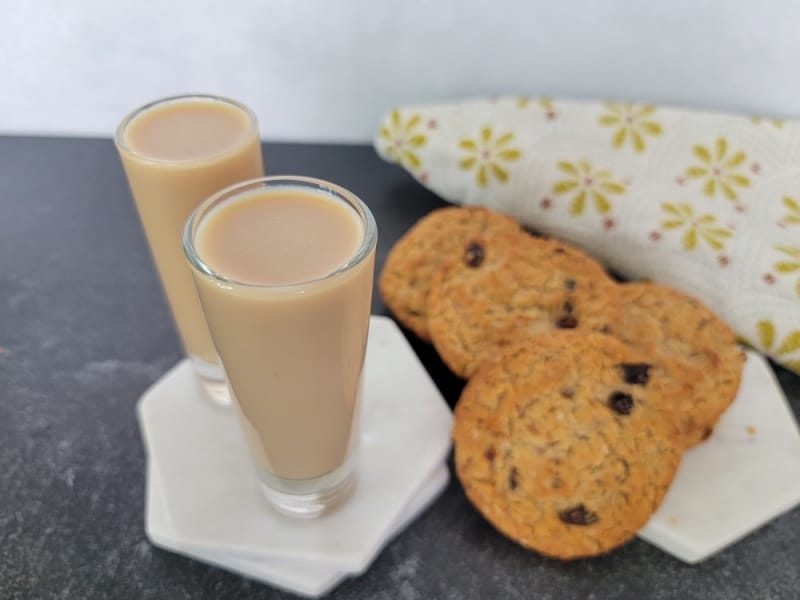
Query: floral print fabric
point(706, 202)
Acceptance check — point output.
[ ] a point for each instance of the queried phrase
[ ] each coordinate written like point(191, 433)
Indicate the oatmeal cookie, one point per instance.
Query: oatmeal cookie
point(698, 348)
point(405, 279)
point(516, 288)
point(564, 445)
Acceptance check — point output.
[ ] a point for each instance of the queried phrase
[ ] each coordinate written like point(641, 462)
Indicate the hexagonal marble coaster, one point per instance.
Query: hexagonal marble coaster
point(306, 579)
point(211, 494)
point(744, 475)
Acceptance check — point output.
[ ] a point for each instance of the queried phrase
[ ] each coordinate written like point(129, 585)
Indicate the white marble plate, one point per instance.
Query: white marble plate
point(744, 475)
point(306, 579)
point(198, 450)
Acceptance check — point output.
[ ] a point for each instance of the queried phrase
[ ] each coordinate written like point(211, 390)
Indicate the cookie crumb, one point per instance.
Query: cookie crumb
point(750, 429)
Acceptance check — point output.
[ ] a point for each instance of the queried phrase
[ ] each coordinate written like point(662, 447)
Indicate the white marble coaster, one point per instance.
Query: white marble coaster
point(305, 579)
point(199, 452)
point(747, 473)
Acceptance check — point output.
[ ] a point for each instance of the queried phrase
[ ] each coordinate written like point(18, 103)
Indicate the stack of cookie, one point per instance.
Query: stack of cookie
point(582, 392)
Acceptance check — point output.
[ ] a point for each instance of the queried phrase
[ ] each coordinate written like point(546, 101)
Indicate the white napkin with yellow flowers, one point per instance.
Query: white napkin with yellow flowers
point(708, 203)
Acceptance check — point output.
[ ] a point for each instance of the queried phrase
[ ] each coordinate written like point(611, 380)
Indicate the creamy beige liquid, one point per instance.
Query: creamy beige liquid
point(175, 156)
point(293, 352)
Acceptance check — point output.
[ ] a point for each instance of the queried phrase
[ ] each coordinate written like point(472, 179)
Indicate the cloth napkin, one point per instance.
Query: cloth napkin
point(706, 202)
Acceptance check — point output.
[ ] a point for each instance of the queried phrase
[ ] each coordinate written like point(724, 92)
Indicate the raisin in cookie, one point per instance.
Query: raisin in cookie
point(678, 331)
point(520, 288)
point(564, 445)
point(405, 279)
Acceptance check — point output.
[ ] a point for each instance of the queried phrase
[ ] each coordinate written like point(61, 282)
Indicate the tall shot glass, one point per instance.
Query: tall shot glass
point(293, 340)
point(176, 153)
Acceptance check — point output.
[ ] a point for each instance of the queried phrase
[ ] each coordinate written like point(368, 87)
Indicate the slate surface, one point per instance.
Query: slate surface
point(84, 331)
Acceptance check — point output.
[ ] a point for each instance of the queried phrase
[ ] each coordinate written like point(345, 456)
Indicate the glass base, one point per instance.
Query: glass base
point(212, 381)
point(309, 498)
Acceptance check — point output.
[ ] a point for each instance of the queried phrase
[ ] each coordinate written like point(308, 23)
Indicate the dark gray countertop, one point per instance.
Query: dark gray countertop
point(84, 331)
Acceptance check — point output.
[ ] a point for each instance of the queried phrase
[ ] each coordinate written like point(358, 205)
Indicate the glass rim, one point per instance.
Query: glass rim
point(119, 134)
point(368, 241)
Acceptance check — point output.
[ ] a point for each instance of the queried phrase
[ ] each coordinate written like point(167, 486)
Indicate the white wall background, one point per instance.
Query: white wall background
point(328, 69)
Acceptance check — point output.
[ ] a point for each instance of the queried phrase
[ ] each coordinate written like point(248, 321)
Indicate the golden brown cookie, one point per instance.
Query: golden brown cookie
point(698, 348)
point(405, 279)
point(519, 287)
point(564, 445)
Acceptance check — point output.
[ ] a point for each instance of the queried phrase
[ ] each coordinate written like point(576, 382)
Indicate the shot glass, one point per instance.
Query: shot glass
point(176, 153)
point(284, 269)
